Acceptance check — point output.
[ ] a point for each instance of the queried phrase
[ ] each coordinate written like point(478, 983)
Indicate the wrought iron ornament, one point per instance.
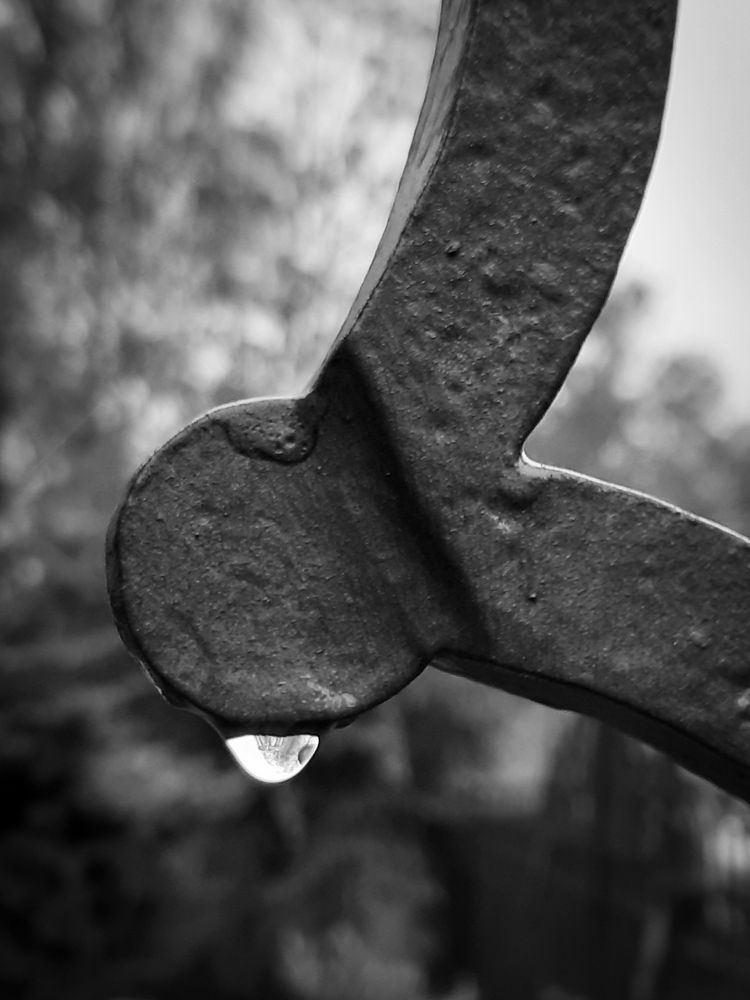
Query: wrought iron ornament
point(282, 565)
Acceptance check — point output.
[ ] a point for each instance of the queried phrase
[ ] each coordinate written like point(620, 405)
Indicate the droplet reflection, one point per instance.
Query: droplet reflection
point(273, 759)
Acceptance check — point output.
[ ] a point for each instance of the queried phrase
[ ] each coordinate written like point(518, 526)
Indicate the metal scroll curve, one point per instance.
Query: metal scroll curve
point(282, 565)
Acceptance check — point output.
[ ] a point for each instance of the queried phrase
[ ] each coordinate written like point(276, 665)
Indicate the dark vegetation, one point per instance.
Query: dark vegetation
point(174, 234)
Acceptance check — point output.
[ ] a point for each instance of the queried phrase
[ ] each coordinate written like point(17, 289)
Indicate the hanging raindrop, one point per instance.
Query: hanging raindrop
point(273, 759)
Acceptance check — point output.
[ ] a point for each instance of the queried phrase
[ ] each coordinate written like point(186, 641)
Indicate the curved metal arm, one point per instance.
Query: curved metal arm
point(282, 565)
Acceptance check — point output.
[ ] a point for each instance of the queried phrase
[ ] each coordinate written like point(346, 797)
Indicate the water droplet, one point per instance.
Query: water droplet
point(273, 759)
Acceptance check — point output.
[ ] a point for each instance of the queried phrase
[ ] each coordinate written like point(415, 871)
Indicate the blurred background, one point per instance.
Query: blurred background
point(191, 191)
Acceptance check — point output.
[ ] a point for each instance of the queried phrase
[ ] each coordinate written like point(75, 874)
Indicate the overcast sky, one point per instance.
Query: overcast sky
point(692, 239)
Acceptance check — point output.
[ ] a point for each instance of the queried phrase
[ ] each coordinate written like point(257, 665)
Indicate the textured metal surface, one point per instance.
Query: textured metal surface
point(282, 565)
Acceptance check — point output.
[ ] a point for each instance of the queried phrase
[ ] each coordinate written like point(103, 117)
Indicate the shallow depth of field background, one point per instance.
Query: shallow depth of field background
point(190, 192)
